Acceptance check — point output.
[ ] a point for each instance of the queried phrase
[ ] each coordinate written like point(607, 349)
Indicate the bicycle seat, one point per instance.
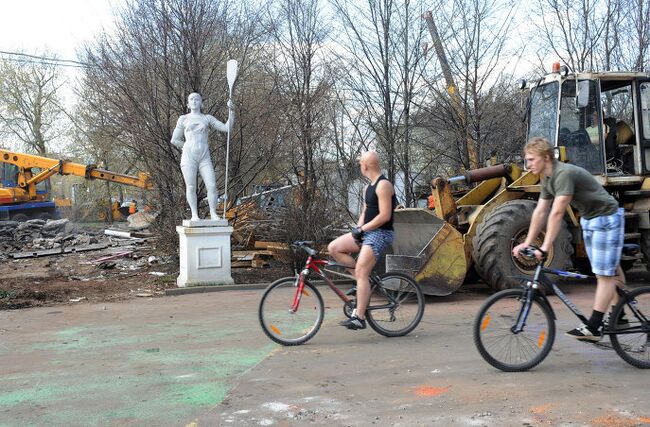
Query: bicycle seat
point(305, 245)
point(299, 243)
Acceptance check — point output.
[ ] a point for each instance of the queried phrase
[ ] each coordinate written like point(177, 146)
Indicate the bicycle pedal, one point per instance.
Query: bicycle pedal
point(351, 292)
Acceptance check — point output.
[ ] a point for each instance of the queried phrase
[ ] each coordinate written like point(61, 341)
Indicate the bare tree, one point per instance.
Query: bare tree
point(141, 75)
point(383, 57)
point(305, 85)
point(594, 35)
point(30, 103)
point(481, 109)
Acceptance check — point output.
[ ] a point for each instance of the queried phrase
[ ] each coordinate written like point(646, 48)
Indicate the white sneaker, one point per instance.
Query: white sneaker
point(582, 333)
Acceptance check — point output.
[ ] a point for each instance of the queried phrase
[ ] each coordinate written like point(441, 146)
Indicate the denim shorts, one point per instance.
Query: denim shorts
point(604, 237)
point(379, 240)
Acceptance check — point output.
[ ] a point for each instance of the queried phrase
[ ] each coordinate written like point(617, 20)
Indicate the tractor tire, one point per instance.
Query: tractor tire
point(20, 217)
point(503, 229)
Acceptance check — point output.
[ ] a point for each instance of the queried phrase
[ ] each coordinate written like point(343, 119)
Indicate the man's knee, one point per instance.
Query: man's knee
point(332, 247)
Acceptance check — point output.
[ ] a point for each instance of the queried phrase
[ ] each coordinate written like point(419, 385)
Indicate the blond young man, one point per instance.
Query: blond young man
point(370, 238)
point(602, 223)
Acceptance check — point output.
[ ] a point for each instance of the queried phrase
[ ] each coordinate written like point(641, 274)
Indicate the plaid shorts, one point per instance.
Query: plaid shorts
point(604, 236)
point(379, 240)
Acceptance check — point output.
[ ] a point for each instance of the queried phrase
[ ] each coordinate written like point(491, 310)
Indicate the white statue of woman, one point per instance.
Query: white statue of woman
point(195, 159)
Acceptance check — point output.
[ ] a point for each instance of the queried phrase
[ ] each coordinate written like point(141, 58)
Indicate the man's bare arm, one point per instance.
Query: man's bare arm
point(537, 221)
point(560, 204)
point(363, 210)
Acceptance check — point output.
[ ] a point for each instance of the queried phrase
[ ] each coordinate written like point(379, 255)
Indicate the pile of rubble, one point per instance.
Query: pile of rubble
point(38, 234)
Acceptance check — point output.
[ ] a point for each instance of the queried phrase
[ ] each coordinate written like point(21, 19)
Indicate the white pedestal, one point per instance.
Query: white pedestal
point(204, 253)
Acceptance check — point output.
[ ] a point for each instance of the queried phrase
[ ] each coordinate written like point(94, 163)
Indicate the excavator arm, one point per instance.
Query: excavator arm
point(27, 179)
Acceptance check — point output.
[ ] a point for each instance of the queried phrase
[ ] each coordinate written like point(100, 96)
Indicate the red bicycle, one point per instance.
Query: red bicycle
point(291, 310)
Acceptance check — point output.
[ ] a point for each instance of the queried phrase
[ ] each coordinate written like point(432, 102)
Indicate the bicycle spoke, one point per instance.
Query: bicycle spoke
point(280, 322)
point(396, 305)
point(632, 343)
point(499, 345)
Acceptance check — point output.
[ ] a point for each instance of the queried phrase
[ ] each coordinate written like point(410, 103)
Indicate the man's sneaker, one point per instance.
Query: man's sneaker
point(354, 323)
point(582, 333)
point(352, 292)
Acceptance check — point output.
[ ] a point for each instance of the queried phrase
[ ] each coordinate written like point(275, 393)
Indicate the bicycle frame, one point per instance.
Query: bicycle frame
point(313, 265)
point(539, 277)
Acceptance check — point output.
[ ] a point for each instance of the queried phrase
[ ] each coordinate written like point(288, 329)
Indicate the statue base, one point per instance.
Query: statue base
point(204, 253)
point(205, 223)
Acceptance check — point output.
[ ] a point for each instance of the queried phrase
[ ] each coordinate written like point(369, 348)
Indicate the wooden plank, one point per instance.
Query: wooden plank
point(261, 253)
point(264, 245)
point(241, 264)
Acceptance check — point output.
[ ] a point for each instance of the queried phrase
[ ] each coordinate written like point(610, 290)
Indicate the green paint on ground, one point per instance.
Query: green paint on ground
point(203, 394)
point(127, 382)
point(100, 337)
point(34, 394)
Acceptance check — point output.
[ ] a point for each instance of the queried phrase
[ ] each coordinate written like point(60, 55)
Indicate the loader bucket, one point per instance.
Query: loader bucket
point(429, 249)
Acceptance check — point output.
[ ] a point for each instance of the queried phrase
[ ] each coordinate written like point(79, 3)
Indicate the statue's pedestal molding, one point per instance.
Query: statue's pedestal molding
point(204, 253)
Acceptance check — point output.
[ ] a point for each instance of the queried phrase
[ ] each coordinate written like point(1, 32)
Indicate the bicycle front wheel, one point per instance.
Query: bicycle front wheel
point(278, 319)
point(631, 340)
point(496, 340)
point(396, 305)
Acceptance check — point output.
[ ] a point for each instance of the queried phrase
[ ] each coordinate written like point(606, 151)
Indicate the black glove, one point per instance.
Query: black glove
point(357, 234)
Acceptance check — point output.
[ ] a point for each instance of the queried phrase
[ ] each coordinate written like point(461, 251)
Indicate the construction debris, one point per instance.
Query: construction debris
point(37, 238)
point(140, 220)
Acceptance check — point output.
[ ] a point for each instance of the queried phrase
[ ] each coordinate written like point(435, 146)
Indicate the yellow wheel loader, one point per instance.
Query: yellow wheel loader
point(599, 121)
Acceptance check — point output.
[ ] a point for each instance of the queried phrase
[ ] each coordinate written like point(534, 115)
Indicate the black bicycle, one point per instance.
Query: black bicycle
point(515, 328)
point(291, 309)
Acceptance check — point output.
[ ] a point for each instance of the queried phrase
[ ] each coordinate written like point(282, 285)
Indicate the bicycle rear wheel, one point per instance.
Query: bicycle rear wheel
point(499, 345)
point(283, 325)
point(632, 340)
point(396, 305)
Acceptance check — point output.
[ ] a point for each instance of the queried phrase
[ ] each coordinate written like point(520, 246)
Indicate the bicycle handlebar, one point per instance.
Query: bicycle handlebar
point(529, 252)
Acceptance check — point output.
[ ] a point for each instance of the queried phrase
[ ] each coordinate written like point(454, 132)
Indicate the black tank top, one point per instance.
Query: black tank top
point(372, 205)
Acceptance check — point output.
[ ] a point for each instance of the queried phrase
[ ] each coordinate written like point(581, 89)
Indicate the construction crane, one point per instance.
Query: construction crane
point(24, 189)
point(452, 88)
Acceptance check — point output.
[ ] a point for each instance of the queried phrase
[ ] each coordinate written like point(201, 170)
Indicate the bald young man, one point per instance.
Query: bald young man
point(370, 238)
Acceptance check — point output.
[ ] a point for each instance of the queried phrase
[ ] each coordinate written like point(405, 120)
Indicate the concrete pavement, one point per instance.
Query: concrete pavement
point(202, 360)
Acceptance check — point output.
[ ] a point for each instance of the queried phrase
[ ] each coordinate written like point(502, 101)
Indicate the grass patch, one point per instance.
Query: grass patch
point(165, 280)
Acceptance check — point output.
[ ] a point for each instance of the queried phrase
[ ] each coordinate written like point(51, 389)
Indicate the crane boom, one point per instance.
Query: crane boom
point(452, 89)
point(19, 197)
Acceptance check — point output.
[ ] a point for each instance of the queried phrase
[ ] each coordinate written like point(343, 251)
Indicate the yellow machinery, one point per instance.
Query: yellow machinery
point(24, 189)
point(599, 121)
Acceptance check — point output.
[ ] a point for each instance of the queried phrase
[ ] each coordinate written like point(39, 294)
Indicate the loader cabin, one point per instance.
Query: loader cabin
point(601, 119)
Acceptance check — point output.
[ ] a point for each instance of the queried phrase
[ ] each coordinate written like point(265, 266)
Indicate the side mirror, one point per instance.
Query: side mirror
point(582, 94)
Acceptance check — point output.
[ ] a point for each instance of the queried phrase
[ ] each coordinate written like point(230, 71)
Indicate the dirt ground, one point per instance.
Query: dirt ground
point(78, 277)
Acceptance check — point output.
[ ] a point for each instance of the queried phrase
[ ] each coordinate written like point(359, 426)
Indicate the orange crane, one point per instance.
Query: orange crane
point(24, 189)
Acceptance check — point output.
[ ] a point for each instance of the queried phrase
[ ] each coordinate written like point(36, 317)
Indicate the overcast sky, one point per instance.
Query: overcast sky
point(58, 26)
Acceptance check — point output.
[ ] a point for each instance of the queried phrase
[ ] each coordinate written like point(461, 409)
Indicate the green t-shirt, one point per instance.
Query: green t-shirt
point(589, 197)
